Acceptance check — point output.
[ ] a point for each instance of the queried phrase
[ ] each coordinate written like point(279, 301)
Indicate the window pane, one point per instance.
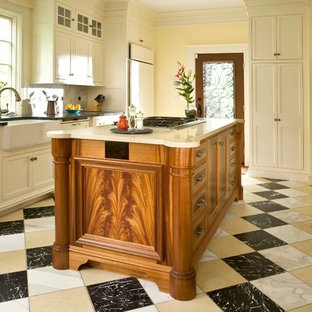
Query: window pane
point(4, 73)
point(5, 52)
point(219, 89)
point(5, 27)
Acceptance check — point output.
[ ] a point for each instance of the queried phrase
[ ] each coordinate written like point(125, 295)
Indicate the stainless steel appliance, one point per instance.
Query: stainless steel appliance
point(171, 122)
point(141, 79)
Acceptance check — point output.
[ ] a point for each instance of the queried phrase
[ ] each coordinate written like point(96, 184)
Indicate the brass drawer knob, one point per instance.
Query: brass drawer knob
point(200, 229)
point(232, 182)
point(199, 178)
point(221, 143)
point(200, 153)
point(201, 202)
point(233, 148)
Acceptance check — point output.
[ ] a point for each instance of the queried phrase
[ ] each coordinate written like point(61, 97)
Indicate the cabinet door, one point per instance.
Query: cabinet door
point(96, 28)
point(212, 174)
point(64, 16)
point(81, 63)
point(289, 35)
point(96, 62)
point(140, 33)
point(42, 169)
point(290, 116)
point(264, 113)
point(82, 24)
point(263, 37)
point(16, 179)
point(64, 45)
point(222, 179)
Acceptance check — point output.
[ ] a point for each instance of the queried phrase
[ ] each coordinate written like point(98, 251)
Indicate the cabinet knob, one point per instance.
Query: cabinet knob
point(73, 19)
point(201, 202)
point(200, 229)
point(221, 143)
point(200, 153)
point(232, 182)
point(141, 40)
point(277, 119)
point(33, 158)
point(233, 148)
point(71, 74)
point(199, 178)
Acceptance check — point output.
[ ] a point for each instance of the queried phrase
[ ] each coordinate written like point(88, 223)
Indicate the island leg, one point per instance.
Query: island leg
point(182, 285)
point(61, 151)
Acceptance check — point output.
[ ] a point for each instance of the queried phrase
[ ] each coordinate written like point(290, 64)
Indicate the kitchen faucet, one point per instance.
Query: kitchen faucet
point(17, 98)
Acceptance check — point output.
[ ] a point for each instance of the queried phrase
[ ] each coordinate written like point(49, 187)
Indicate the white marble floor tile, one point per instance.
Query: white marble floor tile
point(19, 305)
point(154, 293)
point(47, 279)
point(230, 215)
point(286, 290)
point(290, 202)
point(289, 216)
point(39, 224)
point(150, 308)
point(220, 232)
point(293, 183)
point(246, 180)
point(252, 198)
point(287, 257)
point(12, 242)
point(208, 256)
point(254, 188)
point(291, 192)
point(289, 233)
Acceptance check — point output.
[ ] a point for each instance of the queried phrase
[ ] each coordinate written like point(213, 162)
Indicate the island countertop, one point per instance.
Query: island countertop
point(188, 137)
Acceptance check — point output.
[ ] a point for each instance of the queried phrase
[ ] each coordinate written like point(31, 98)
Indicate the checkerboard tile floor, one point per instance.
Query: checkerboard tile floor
point(260, 259)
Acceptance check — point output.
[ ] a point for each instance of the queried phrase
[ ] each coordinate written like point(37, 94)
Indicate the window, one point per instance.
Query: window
point(8, 57)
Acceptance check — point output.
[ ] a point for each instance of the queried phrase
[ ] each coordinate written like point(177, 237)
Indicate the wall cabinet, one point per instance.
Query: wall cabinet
point(277, 37)
point(24, 173)
point(278, 115)
point(140, 33)
point(68, 46)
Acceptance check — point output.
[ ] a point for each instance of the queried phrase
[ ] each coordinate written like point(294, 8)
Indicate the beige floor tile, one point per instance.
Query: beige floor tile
point(246, 180)
point(304, 226)
point(244, 210)
point(304, 274)
point(12, 261)
point(307, 211)
point(237, 225)
point(307, 308)
point(305, 246)
point(13, 216)
point(254, 188)
point(307, 199)
point(71, 300)
point(227, 246)
point(42, 203)
point(305, 189)
point(216, 274)
point(39, 239)
point(94, 276)
point(252, 198)
point(202, 303)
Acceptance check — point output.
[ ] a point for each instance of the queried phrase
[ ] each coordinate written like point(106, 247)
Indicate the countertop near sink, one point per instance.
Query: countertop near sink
point(61, 116)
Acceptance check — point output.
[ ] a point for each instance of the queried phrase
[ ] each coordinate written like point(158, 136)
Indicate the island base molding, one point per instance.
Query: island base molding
point(149, 215)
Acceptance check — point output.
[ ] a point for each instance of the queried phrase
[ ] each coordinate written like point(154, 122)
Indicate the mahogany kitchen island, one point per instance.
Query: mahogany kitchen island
point(144, 205)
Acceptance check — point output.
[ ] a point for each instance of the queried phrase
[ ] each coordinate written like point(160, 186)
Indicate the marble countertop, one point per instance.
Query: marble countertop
point(188, 137)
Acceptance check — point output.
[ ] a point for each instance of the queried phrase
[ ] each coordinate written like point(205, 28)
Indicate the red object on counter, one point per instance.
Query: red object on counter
point(122, 124)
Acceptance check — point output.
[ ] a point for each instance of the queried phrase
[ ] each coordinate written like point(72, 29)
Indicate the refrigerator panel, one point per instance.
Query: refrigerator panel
point(141, 87)
point(142, 54)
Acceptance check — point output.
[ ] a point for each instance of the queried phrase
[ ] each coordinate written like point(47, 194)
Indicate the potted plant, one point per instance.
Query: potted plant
point(184, 85)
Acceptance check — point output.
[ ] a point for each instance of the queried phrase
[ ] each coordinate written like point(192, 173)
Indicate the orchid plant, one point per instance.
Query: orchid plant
point(184, 83)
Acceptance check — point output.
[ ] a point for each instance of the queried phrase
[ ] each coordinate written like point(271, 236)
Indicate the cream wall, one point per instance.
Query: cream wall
point(171, 46)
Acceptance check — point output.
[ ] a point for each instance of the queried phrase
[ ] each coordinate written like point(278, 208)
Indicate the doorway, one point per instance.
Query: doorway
point(220, 86)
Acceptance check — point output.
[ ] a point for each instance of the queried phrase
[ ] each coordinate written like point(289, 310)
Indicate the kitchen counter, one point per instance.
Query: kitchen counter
point(62, 116)
point(188, 137)
point(144, 205)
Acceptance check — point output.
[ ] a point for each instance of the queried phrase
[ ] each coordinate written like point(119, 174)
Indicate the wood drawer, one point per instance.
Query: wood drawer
point(232, 182)
point(232, 148)
point(200, 153)
point(232, 165)
point(199, 177)
point(199, 230)
point(199, 202)
point(231, 134)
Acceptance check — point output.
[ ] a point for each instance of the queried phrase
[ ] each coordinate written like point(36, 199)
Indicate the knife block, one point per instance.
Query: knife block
point(93, 106)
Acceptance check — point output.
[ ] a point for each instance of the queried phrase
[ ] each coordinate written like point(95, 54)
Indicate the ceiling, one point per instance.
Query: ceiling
point(185, 5)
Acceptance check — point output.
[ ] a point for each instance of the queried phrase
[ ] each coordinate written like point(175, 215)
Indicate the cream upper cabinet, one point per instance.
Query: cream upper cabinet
point(68, 45)
point(278, 115)
point(140, 33)
point(277, 37)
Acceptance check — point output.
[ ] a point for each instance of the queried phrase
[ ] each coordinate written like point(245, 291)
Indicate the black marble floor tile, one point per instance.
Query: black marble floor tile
point(11, 227)
point(273, 186)
point(40, 212)
point(264, 220)
point(13, 286)
point(270, 195)
point(243, 298)
point(268, 206)
point(120, 295)
point(260, 240)
point(39, 257)
point(275, 180)
point(253, 266)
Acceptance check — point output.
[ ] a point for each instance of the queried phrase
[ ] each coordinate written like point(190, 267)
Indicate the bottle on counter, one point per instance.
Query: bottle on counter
point(122, 124)
point(139, 120)
point(132, 113)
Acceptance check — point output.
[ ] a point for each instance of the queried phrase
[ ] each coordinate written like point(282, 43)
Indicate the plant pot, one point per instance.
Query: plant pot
point(190, 110)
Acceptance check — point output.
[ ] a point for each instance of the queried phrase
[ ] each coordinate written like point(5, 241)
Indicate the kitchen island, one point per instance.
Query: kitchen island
point(144, 205)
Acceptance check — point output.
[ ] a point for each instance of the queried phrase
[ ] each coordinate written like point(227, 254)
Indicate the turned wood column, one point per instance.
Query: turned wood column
point(182, 275)
point(239, 142)
point(61, 151)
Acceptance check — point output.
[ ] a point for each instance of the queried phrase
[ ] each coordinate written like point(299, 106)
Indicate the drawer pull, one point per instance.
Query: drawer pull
point(199, 178)
point(233, 148)
point(200, 229)
point(200, 153)
point(201, 202)
point(232, 164)
point(33, 158)
point(232, 182)
point(221, 143)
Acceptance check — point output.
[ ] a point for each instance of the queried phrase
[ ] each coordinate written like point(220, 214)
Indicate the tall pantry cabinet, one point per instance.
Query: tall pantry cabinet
point(278, 61)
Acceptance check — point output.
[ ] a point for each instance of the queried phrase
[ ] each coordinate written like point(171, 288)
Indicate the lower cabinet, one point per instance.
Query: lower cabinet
point(24, 173)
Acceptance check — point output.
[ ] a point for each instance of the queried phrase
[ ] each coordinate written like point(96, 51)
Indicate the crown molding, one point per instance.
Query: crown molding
point(202, 17)
point(25, 3)
point(138, 10)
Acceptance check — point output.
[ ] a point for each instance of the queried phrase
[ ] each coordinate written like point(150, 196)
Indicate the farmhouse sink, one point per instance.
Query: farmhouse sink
point(23, 133)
